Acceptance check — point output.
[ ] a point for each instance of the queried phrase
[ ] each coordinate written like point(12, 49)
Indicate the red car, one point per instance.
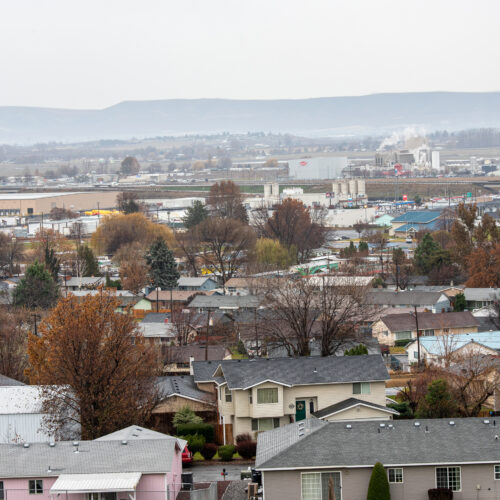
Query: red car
point(187, 456)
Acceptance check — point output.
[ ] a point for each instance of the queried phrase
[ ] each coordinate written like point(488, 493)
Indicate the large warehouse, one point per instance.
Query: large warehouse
point(317, 168)
point(23, 204)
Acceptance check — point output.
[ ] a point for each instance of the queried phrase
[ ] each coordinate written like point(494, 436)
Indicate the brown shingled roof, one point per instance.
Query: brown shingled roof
point(429, 321)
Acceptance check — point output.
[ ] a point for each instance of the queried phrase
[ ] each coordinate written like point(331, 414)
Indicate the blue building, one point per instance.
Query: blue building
point(414, 221)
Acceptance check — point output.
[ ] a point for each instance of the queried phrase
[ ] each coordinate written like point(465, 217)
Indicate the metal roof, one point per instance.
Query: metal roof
point(20, 399)
point(225, 301)
point(445, 343)
point(484, 294)
point(418, 217)
point(363, 443)
point(89, 483)
point(133, 432)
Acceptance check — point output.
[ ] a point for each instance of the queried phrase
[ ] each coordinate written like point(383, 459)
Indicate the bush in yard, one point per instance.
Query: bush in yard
point(247, 449)
point(226, 452)
point(243, 437)
point(186, 416)
point(402, 342)
point(195, 442)
point(440, 494)
point(208, 451)
point(378, 488)
point(205, 430)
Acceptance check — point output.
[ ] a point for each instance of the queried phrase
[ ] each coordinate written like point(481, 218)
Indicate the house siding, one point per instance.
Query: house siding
point(360, 413)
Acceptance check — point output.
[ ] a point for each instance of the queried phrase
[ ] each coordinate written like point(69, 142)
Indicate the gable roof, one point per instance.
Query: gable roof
point(7, 381)
point(93, 457)
point(177, 295)
point(333, 444)
point(351, 403)
point(134, 432)
point(417, 217)
point(182, 386)
point(84, 282)
point(188, 281)
point(183, 353)
point(429, 321)
point(406, 297)
point(246, 373)
point(225, 301)
point(156, 317)
point(486, 294)
point(446, 343)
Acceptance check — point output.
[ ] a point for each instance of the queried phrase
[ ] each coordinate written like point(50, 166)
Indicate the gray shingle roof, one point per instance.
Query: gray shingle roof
point(486, 294)
point(7, 381)
point(153, 456)
point(349, 403)
point(183, 386)
point(188, 281)
point(383, 297)
point(428, 321)
point(246, 373)
point(435, 441)
point(155, 317)
point(225, 301)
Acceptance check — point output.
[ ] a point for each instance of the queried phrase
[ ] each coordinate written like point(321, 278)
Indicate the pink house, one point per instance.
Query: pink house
point(131, 464)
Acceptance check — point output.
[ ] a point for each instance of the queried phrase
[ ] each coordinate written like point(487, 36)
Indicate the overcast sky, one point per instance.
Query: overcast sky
point(95, 53)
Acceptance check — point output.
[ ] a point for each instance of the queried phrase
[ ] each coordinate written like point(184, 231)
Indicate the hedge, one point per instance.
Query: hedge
point(208, 451)
point(195, 442)
point(205, 430)
point(226, 452)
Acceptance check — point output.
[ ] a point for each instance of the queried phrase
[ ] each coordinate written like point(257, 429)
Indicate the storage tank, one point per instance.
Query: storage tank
point(344, 188)
point(335, 189)
point(353, 188)
point(267, 190)
point(361, 186)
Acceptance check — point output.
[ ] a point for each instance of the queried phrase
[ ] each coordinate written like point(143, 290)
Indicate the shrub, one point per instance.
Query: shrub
point(440, 494)
point(205, 430)
point(378, 489)
point(402, 342)
point(247, 449)
point(243, 437)
point(358, 350)
point(195, 442)
point(226, 452)
point(186, 416)
point(208, 451)
point(403, 408)
point(241, 348)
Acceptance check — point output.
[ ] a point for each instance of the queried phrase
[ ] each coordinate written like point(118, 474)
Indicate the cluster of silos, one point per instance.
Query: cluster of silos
point(352, 188)
point(272, 190)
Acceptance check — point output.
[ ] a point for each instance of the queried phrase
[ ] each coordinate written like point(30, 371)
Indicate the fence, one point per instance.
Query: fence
point(209, 493)
point(219, 433)
point(41, 492)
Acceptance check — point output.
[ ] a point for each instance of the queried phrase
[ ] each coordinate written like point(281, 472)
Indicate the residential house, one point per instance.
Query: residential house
point(158, 333)
point(390, 328)
point(411, 222)
point(202, 284)
point(177, 392)
point(104, 469)
point(432, 301)
point(477, 298)
point(177, 360)
point(204, 303)
point(83, 283)
point(297, 461)
point(142, 307)
point(263, 393)
point(162, 299)
point(436, 349)
point(126, 299)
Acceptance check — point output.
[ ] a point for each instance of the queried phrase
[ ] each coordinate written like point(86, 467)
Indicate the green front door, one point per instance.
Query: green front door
point(300, 410)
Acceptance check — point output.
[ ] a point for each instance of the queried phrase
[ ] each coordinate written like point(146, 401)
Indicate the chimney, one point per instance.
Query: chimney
point(191, 359)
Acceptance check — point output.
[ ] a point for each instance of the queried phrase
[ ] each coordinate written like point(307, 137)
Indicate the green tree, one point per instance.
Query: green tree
point(459, 304)
point(52, 263)
point(358, 350)
point(162, 266)
point(418, 200)
point(89, 264)
point(430, 256)
point(438, 402)
point(113, 283)
point(37, 289)
point(378, 488)
point(363, 247)
point(195, 214)
point(271, 253)
point(186, 416)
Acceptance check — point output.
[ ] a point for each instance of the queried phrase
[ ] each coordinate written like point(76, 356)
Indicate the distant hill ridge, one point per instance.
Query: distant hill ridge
point(328, 116)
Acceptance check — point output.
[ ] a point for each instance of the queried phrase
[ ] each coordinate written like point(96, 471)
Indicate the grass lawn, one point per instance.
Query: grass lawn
point(236, 355)
point(197, 457)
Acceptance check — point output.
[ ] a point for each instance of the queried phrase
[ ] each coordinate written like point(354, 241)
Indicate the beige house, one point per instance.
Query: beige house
point(392, 327)
point(298, 461)
point(261, 394)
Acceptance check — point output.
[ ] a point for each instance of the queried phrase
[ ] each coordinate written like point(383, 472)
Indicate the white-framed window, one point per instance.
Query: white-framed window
point(361, 388)
point(267, 395)
point(265, 424)
point(497, 472)
point(415, 354)
point(228, 394)
point(315, 485)
point(35, 486)
point(403, 335)
point(448, 477)
point(395, 475)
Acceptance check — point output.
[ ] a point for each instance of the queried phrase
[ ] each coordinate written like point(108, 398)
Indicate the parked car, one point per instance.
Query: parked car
point(187, 456)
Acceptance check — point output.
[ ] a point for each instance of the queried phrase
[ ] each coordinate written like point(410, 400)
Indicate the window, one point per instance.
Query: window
point(428, 333)
point(386, 333)
point(448, 477)
point(415, 354)
point(35, 486)
point(220, 393)
point(250, 397)
point(315, 485)
point(265, 424)
point(395, 475)
point(403, 335)
point(497, 473)
point(446, 330)
point(361, 388)
point(1, 491)
point(265, 396)
point(229, 395)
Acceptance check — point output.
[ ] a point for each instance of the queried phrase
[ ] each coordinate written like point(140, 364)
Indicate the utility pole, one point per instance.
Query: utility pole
point(256, 331)
point(157, 300)
point(418, 337)
point(206, 339)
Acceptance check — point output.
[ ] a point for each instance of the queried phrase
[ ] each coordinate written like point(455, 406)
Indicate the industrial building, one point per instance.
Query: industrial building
point(22, 204)
point(317, 168)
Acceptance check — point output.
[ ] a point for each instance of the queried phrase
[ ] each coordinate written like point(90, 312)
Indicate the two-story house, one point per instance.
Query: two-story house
point(431, 301)
point(256, 395)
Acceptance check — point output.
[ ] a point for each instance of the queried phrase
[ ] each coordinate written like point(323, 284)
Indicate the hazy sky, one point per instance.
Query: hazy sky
point(95, 53)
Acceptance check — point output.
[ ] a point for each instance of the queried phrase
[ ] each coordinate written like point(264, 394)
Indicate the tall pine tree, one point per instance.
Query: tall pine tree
point(89, 264)
point(52, 263)
point(162, 266)
point(195, 214)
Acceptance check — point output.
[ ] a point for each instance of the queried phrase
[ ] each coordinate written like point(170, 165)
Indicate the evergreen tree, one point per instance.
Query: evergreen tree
point(438, 402)
point(429, 255)
point(195, 214)
point(37, 289)
point(52, 263)
point(358, 350)
point(459, 304)
point(363, 247)
point(162, 266)
point(378, 488)
point(90, 266)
